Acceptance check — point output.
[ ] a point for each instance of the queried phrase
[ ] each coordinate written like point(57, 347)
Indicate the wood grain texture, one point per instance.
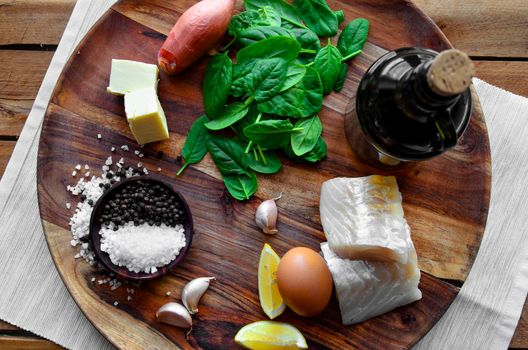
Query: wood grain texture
point(510, 76)
point(33, 21)
point(482, 27)
point(26, 343)
point(227, 242)
point(6, 149)
point(4, 326)
point(21, 74)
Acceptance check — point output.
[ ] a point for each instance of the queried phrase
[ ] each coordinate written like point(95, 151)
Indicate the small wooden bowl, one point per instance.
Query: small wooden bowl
point(95, 226)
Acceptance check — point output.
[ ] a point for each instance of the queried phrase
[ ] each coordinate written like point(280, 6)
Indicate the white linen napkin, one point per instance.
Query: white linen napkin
point(483, 316)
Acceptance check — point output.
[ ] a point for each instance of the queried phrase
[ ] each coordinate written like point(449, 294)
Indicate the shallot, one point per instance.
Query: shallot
point(195, 33)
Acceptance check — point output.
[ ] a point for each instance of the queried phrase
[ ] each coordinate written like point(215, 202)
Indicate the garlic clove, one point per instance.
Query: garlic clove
point(266, 217)
point(193, 291)
point(174, 314)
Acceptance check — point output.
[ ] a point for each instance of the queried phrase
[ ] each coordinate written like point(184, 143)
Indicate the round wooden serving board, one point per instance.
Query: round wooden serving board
point(445, 199)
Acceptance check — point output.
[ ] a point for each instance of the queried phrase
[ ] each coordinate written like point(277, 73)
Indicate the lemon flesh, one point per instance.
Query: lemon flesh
point(270, 298)
point(270, 335)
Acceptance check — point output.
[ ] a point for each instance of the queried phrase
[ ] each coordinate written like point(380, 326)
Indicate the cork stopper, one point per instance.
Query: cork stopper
point(450, 73)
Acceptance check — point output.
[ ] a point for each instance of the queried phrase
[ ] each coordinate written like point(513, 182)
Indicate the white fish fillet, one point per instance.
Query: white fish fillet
point(367, 289)
point(363, 219)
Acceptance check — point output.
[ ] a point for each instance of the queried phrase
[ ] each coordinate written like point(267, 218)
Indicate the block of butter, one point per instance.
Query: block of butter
point(145, 116)
point(127, 76)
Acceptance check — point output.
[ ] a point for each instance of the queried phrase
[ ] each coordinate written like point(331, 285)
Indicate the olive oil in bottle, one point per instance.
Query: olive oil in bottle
point(412, 104)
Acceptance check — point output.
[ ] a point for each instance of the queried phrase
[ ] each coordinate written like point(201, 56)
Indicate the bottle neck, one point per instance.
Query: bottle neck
point(415, 97)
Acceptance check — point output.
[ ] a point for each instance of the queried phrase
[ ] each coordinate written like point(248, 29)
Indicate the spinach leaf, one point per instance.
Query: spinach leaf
point(302, 100)
point(288, 25)
point(315, 155)
point(304, 140)
point(341, 78)
point(294, 74)
point(265, 16)
point(274, 47)
point(251, 35)
point(240, 70)
point(229, 157)
point(230, 115)
point(286, 11)
point(317, 16)
point(195, 146)
point(328, 64)
point(249, 119)
point(308, 39)
point(268, 16)
point(340, 15)
point(353, 38)
point(264, 80)
point(217, 83)
point(265, 162)
point(304, 60)
point(241, 186)
point(267, 78)
point(269, 134)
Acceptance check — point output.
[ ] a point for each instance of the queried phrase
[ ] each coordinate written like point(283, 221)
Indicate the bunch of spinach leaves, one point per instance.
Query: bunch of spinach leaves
point(270, 94)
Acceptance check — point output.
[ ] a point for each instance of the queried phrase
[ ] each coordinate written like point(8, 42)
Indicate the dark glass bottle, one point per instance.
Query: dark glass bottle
point(412, 104)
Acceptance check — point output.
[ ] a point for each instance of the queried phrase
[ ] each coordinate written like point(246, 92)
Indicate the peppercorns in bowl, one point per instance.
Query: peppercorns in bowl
point(141, 228)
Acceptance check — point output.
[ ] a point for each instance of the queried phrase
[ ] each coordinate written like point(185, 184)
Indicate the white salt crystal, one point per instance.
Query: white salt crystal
point(124, 148)
point(108, 161)
point(129, 298)
point(122, 160)
point(136, 152)
point(87, 174)
point(142, 248)
point(159, 169)
point(139, 164)
point(116, 303)
point(74, 173)
point(78, 167)
point(99, 136)
point(141, 155)
point(168, 293)
point(86, 166)
point(73, 243)
point(145, 170)
point(68, 205)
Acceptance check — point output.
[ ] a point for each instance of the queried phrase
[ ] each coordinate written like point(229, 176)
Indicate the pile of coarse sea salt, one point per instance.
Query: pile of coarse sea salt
point(142, 248)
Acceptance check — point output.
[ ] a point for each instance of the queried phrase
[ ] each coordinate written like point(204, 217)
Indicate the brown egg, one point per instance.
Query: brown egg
point(304, 281)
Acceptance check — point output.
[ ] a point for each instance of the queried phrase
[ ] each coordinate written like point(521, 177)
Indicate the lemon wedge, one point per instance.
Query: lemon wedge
point(270, 298)
point(270, 335)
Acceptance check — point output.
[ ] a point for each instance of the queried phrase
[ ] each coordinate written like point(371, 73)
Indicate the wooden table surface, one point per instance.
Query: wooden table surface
point(494, 33)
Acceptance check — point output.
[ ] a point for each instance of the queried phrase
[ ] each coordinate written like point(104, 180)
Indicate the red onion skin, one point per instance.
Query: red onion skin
point(197, 31)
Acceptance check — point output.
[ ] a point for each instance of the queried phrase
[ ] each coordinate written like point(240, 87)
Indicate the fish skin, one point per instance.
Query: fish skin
point(367, 289)
point(363, 219)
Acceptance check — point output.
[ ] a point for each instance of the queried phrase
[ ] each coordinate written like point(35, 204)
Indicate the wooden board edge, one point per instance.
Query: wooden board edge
point(477, 110)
